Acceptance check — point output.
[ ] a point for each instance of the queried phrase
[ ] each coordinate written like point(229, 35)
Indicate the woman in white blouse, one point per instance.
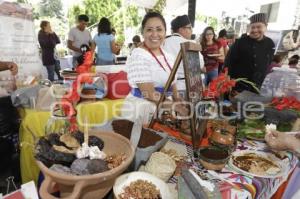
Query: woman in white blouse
point(148, 69)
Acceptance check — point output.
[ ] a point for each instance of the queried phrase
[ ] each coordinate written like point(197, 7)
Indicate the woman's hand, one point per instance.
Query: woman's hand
point(281, 141)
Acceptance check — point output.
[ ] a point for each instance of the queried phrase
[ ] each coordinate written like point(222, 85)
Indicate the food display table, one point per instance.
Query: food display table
point(250, 187)
point(34, 122)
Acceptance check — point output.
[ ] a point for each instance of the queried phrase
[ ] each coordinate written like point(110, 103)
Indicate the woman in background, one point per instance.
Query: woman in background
point(294, 61)
point(276, 62)
point(212, 52)
point(224, 43)
point(105, 43)
point(48, 40)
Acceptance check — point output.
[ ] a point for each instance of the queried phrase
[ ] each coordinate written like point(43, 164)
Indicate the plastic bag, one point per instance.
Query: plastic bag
point(281, 82)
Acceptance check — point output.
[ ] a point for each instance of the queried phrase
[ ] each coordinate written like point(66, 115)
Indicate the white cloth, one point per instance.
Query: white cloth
point(79, 38)
point(134, 108)
point(172, 46)
point(66, 62)
point(141, 67)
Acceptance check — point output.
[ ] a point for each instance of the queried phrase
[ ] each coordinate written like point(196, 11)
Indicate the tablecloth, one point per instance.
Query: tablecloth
point(66, 62)
point(253, 187)
point(34, 122)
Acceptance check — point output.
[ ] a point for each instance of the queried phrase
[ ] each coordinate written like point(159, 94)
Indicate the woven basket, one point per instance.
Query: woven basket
point(161, 165)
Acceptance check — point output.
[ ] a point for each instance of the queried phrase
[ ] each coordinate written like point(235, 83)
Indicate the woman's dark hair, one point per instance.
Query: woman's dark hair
point(294, 59)
point(150, 15)
point(136, 39)
point(104, 26)
point(83, 18)
point(222, 33)
point(43, 24)
point(203, 38)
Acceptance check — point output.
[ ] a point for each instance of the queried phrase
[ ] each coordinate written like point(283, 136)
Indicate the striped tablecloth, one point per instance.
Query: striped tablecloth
point(253, 187)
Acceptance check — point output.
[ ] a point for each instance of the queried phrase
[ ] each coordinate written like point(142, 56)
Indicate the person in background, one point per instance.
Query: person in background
point(78, 36)
point(294, 61)
point(105, 43)
point(182, 31)
point(250, 56)
point(136, 41)
point(48, 40)
point(113, 32)
point(212, 52)
point(276, 62)
point(148, 69)
point(9, 128)
point(223, 41)
point(118, 45)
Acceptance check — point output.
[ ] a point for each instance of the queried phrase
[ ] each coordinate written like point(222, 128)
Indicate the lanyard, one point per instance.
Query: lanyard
point(157, 59)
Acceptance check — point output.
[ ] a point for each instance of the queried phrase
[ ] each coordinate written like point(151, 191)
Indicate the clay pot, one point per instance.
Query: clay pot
point(222, 137)
point(218, 124)
point(213, 158)
point(89, 186)
point(88, 95)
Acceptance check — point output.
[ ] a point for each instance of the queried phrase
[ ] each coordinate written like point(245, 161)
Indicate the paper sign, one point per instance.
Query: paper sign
point(29, 190)
point(15, 195)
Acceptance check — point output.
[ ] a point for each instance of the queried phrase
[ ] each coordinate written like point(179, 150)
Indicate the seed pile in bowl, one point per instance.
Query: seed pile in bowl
point(140, 189)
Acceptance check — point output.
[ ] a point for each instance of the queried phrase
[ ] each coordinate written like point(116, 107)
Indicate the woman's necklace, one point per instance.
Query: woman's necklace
point(160, 64)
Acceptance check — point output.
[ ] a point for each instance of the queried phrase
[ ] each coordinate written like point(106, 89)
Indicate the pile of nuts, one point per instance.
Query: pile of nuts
point(114, 161)
point(140, 189)
point(173, 154)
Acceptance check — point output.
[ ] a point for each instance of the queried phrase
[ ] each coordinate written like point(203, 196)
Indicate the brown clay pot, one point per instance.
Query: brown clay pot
point(89, 186)
point(213, 158)
point(88, 95)
point(217, 124)
point(231, 129)
point(222, 136)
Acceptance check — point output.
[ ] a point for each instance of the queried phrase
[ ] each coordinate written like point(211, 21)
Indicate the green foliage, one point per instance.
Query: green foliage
point(96, 9)
point(112, 9)
point(35, 14)
point(210, 21)
point(21, 1)
point(51, 8)
point(159, 6)
point(73, 13)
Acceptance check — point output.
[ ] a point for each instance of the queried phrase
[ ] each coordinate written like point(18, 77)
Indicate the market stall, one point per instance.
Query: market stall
point(34, 123)
point(233, 160)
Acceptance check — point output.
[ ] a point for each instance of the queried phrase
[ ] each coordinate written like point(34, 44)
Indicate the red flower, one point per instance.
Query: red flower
point(286, 103)
point(73, 97)
point(220, 85)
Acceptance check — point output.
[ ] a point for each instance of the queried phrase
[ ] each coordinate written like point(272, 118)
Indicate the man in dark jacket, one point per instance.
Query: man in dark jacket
point(250, 56)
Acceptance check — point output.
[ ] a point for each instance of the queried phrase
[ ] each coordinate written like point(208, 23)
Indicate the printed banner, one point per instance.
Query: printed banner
point(18, 39)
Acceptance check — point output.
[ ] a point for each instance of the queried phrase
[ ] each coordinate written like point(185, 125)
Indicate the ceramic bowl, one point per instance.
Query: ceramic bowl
point(125, 180)
point(213, 158)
